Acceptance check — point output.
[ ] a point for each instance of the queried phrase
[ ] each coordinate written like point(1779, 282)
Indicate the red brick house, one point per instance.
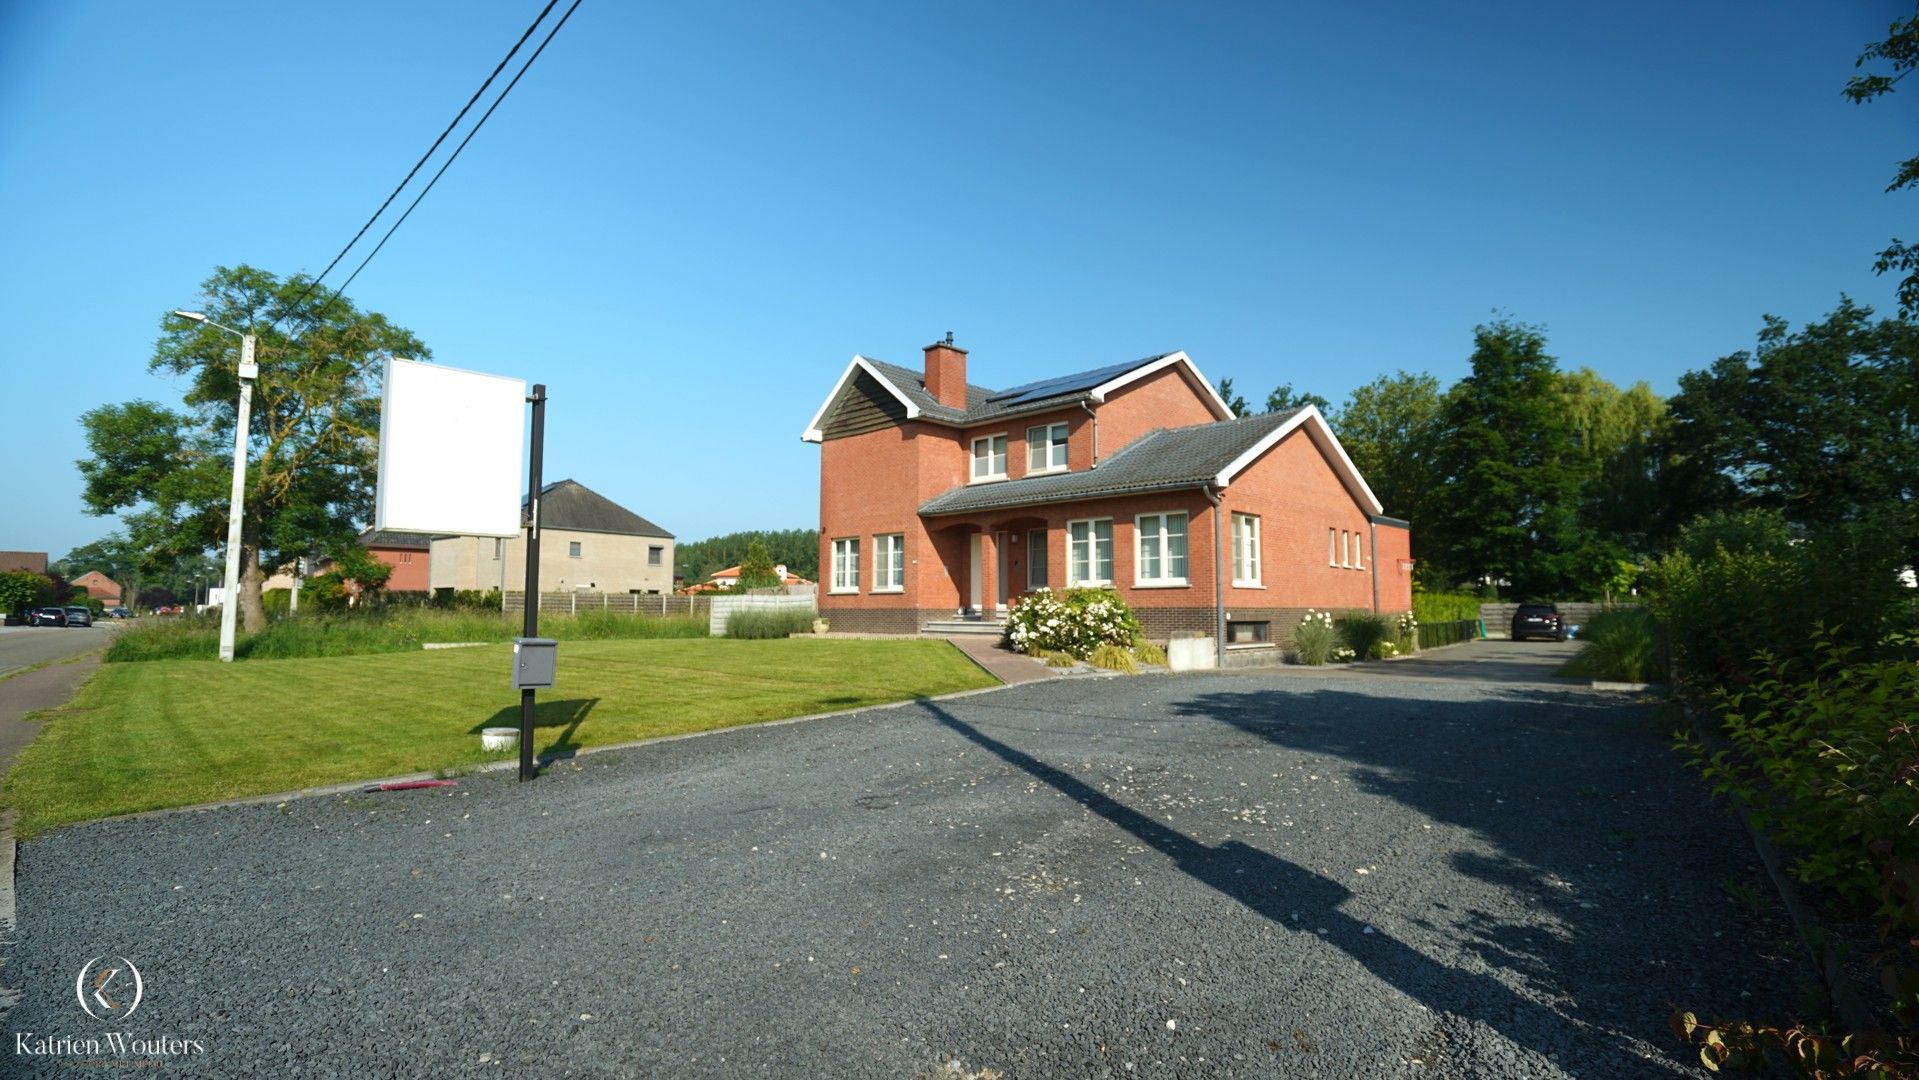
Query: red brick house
point(409, 554)
point(100, 587)
point(942, 499)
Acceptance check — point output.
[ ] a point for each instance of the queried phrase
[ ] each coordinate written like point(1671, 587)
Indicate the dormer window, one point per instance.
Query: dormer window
point(989, 457)
point(1046, 449)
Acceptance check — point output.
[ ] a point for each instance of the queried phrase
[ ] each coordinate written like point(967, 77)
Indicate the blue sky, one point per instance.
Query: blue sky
point(687, 218)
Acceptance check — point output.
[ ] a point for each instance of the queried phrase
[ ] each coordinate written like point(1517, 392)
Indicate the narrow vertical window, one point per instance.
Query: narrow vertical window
point(1245, 549)
point(889, 563)
point(846, 565)
point(1036, 569)
point(1332, 547)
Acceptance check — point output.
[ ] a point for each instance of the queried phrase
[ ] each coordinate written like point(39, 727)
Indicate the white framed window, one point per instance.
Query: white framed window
point(1359, 551)
point(989, 457)
point(1332, 547)
point(1246, 551)
point(573, 549)
point(1345, 549)
point(889, 563)
point(1046, 449)
point(1159, 549)
point(1089, 552)
point(846, 565)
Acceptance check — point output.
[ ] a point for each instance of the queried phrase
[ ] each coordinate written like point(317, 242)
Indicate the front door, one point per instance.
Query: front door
point(978, 557)
point(999, 572)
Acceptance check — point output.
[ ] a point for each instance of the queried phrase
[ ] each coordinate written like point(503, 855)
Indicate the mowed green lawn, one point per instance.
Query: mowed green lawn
point(143, 736)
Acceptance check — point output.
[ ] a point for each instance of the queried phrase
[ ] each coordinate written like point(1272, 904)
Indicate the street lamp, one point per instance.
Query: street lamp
point(248, 371)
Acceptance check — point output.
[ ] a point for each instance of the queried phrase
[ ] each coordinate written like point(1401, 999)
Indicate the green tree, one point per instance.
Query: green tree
point(1819, 424)
point(23, 589)
point(1390, 427)
point(796, 549)
point(316, 411)
point(756, 570)
point(1234, 402)
point(1512, 473)
point(1285, 399)
point(1617, 433)
point(1900, 50)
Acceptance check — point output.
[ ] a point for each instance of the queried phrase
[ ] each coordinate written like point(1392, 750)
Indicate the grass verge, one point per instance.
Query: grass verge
point(393, 630)
point(175, 733)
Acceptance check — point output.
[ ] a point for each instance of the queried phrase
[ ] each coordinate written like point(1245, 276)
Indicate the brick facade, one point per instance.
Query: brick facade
point(873, 482)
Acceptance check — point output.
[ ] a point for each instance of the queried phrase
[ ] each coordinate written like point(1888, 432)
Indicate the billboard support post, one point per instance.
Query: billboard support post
point(532, 625)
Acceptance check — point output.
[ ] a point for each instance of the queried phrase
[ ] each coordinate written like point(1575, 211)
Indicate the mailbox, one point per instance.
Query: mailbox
point(534, 659)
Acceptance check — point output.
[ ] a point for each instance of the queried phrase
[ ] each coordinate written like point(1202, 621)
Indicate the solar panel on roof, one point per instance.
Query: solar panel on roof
point(1063, 384)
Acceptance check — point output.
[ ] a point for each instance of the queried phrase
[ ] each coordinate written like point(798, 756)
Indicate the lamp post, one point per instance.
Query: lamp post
point(248, 371)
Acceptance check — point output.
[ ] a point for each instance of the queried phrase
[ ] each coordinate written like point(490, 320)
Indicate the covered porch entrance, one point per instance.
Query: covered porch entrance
point(997, 561)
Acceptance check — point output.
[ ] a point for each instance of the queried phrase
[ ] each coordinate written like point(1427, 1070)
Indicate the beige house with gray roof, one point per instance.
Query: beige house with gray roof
point(588, 543)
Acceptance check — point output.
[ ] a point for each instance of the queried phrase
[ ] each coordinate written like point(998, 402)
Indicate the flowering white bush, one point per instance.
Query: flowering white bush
point(1342, 654)
point(1407, 638)
point(1076, 622)
point(1313, 638)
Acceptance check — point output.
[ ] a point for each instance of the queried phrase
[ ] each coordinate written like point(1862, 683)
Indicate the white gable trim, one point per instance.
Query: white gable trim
point(1328, 444)
point(858, 363)
point(1212, 399)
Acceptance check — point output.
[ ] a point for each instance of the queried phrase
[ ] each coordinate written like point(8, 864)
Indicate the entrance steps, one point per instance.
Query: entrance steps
point(950, 627)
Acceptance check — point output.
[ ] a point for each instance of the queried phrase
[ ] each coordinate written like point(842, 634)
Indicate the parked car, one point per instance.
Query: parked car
point(78, 615)
point(48, 616)
point(119, 613)
point(1538, 620)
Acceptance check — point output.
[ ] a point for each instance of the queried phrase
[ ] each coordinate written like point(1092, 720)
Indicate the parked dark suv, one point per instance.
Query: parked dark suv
point(1538, 620)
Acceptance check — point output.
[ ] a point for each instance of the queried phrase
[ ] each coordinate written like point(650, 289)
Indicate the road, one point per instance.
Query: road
point(1354, 872)
point(25, 646)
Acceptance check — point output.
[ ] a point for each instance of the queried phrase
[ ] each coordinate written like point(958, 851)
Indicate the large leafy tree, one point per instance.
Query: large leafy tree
point(112, 555)
point(1285, 399)
point(1892, 59)
point(1390, 427)
point(1617, 435)
point(1513, 474)
point(315, 422)
point(1819, 424)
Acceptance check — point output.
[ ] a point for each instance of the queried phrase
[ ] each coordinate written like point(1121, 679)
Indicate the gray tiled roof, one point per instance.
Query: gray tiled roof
point(393, 538)
point(1165, 459)
point(980, 406)
point(569, 504)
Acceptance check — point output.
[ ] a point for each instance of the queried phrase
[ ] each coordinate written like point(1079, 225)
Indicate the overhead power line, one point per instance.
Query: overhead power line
point(314, 284)
point(455, 156)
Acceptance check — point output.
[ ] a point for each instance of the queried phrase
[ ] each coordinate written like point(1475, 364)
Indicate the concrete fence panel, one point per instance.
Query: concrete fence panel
point(724, 606)
point(568, 602)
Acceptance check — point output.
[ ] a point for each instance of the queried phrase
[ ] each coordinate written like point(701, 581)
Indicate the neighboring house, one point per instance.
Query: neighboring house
point(100, 587)
point(587, 542)
point(729, 577)
point(409, 554)
point(35, 561)
point(939, 497)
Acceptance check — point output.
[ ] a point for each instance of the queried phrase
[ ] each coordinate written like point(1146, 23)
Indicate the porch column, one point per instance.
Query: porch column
point(988, 573)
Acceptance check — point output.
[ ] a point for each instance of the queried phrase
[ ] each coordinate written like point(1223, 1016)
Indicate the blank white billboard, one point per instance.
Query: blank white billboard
point(451, 444)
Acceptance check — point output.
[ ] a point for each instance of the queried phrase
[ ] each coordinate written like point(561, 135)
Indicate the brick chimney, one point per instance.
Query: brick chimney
point(946, 373)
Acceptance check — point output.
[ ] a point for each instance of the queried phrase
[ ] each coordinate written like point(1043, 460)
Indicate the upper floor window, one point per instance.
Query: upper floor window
point(653, 554)
point(1359, 551)
point(1245, 549)
point(573, 549)
point(406, 556)
point(989, 457)
point(889, 563)
point(1160, 558)
point(1046, 448)
point(499, 548)
point(1089, 552)
point(846, 565)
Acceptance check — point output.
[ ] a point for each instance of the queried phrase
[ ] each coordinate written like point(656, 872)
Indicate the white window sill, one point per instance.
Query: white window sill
point(1247, 585)
point(988, 479)
point(1048, 472)
point(883, 592)
point(842, 592)
point(1089, 584)
point(1170, 583)
point(1240, 646)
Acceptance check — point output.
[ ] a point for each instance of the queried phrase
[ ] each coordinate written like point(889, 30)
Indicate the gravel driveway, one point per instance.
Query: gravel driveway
point(1337, 875)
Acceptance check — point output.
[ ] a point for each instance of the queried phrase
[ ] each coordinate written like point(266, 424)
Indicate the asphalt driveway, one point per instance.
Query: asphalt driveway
point(1325, 874)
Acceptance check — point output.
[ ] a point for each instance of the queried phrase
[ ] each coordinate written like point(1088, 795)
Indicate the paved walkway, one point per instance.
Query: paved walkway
point(1004, 664)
